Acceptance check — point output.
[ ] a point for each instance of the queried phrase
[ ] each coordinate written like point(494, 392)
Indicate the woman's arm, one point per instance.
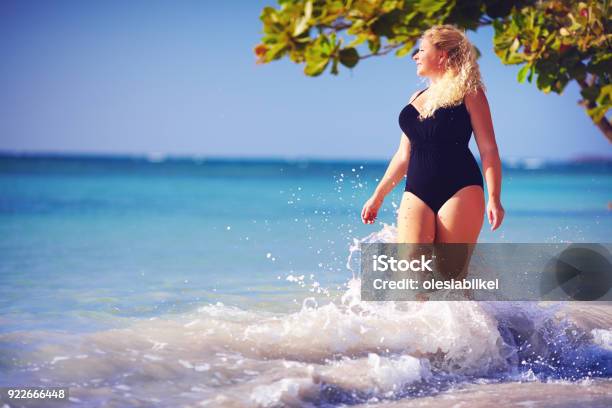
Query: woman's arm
point(395, 172)
point(399, 165)
point(482, 124)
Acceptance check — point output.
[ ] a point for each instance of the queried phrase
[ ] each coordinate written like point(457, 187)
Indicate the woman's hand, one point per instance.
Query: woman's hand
point(495, 213)
point(370, 209)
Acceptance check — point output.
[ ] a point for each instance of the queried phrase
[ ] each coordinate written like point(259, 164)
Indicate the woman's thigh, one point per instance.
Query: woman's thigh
point(460, 219)
point(416, 222)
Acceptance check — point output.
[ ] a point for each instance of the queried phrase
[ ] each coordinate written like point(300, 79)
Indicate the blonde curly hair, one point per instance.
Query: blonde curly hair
point(462, 74)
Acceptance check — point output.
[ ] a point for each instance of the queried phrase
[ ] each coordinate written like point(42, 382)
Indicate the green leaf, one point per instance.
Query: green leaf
point(523, 73)
point(513, 58)
point(356, 26)
point(405, 49)
point(531, 71)
point(544, 81)
point(605, 95)
point(600, 64)
point(498, 8)
point(275, 52)
point(598, 113)
point(515, 45)
point(315, 68)
point(429, 7)
point(269, 16)
point(358, 40)
point(349, 57)
point(374, 44)
point(498, 27)
point(334, 68)
point(389, 5)
point(383, 25)
point(302, 24)
point(318, 54)
point(578, 70)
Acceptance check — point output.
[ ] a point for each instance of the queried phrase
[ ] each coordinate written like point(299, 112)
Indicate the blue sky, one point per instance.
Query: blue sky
point(180, 78)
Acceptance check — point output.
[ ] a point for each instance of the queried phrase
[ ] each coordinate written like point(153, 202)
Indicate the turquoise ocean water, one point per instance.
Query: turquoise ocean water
point(136, 273)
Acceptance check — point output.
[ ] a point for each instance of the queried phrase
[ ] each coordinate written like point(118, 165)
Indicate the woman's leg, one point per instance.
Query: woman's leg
point(460, 219)
point(416, 222)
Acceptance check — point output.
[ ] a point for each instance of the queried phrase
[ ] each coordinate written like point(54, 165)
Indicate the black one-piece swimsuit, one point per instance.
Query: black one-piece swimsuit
point(441, 162)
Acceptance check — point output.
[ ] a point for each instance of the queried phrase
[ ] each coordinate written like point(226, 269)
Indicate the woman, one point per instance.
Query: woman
point(443, 201)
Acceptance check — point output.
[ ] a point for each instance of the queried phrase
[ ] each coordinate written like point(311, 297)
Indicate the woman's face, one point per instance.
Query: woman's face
point(429, 60)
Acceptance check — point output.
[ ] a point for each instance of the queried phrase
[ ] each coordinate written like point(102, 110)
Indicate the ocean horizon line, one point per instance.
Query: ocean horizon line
point(156, 157)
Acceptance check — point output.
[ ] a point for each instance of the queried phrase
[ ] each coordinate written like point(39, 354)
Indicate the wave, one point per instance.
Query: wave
point(336, 350)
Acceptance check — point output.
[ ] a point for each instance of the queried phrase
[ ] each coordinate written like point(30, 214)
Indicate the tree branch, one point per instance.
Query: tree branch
point(386, 49)
point(603, 124)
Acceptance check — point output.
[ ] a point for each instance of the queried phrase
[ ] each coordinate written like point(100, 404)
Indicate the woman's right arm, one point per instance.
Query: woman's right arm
point(396, 170)
point(395, 173)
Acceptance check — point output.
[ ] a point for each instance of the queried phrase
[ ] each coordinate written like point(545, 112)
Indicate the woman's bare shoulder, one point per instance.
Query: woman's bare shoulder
point(479, 93)
point(414, 95)
point(475, 99)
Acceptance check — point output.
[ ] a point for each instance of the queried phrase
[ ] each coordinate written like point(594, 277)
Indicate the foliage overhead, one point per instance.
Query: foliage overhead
point(555, 41)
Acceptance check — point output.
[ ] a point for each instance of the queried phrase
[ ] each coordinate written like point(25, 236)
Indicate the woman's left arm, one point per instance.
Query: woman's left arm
point(482, 124)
